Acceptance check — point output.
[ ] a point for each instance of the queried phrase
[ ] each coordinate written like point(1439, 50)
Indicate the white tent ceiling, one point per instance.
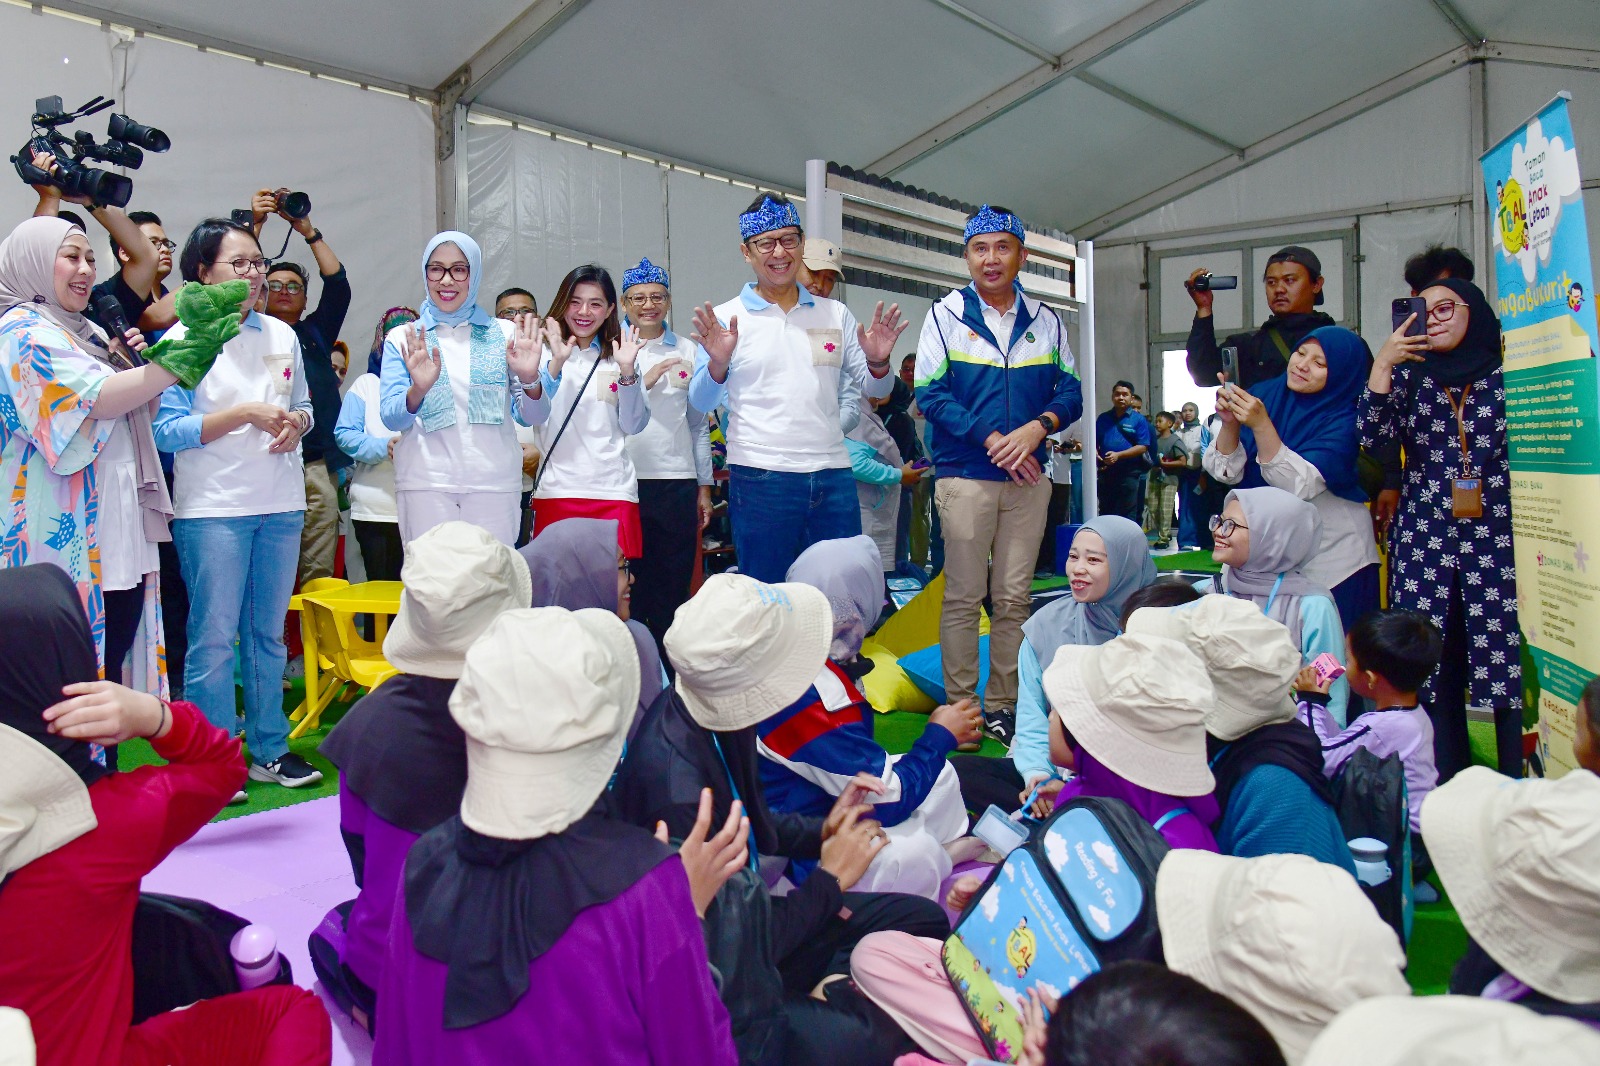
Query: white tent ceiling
point(1080, 114)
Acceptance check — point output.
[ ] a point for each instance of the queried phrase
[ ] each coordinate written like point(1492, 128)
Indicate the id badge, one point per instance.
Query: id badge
point(1466, 497)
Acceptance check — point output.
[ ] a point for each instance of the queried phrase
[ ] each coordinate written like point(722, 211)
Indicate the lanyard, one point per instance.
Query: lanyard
point(755, 859)
point(1176, 812)
point(1273, 595)
point(1460, 407)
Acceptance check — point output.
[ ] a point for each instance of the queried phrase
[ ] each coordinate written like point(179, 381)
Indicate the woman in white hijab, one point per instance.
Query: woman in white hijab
point(86, 488)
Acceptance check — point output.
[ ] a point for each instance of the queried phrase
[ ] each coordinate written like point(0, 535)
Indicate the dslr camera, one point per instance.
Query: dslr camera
point(294, 204)
point(125, 144)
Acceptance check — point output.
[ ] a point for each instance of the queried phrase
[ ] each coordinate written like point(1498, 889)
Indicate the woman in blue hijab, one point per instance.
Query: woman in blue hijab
point(451, 385)
point(1297, 432)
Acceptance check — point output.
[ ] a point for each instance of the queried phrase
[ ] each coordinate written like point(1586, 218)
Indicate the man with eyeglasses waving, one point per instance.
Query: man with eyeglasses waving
point(791, 368)
point(286, 301)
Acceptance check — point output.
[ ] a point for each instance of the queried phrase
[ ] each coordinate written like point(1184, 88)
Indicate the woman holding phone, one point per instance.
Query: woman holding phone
point(591, 371)
point(1441, 396)
point(1297, 432)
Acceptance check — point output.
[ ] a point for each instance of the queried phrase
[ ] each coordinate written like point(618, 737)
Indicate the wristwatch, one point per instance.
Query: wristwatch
point(1044, 420)
point(316, 235)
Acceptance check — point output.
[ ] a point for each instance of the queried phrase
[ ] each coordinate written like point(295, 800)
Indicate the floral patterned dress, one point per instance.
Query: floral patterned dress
point(1436, 561)
point(47, 463)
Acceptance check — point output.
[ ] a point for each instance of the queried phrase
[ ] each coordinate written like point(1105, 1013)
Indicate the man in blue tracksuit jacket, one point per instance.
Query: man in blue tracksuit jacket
point(994, 377)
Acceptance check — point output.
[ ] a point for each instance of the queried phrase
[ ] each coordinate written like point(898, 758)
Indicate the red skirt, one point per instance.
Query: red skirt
point(630, 535)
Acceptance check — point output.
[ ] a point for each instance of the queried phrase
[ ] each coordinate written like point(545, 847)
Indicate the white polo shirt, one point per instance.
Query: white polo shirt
point(794, 383)
point(677, 442)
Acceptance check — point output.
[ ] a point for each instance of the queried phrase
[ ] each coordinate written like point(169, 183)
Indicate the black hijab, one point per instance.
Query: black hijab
point(488, 908)
point(50, 647)
point(1291, 745)
point(399, 750)
point(1479, 354)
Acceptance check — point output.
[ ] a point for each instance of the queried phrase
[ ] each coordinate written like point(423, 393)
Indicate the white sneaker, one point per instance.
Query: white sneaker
point(239, 797)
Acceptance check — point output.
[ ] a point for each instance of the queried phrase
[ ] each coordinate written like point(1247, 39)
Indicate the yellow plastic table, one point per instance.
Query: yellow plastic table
point(381, 599)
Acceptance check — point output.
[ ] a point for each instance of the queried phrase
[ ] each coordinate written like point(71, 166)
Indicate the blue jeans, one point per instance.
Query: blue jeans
point(777, 515)
point(1188, 519)
point(240, 574)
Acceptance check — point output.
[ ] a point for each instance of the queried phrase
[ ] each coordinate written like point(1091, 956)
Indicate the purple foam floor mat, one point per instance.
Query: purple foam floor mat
point(284, 868)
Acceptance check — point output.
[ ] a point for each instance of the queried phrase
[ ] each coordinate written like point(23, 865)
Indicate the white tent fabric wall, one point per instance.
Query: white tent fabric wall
point(364, 157)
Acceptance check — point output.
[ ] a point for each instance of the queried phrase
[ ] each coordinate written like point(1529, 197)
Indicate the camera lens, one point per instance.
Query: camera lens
point(296, 205)
point(123, 128)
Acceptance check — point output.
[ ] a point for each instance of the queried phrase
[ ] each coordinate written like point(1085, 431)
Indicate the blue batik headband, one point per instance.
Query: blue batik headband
point(768, 217)
point(646, 273)
point(988, 220)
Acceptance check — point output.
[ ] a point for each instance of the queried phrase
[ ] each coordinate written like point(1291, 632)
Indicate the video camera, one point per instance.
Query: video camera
point(125, 145)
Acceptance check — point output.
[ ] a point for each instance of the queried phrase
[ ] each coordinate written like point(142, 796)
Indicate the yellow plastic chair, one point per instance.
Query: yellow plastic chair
point(317, 663)
point(351, 660)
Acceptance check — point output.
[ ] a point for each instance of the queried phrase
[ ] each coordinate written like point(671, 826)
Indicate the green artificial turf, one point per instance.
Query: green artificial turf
point(1197, 561)
point(265, 795)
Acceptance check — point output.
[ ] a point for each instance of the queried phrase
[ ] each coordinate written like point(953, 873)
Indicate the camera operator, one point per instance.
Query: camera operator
point(286, 301)
point(144, 262)
point(1293, 284)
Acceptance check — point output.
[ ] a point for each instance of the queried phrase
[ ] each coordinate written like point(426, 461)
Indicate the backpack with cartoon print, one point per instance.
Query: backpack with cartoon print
point(1078, 895)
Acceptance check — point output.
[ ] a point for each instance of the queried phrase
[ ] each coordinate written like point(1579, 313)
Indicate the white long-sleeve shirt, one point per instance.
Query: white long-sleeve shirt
point(590, 462)
point(1348, 543)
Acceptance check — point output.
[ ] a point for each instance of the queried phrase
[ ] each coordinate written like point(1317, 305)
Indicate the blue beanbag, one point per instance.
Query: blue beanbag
point(925, 668)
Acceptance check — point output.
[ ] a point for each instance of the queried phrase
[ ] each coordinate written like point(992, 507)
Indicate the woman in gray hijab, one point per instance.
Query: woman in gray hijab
point(576, 564)
point(87, 490)
point(1109, 561)
point(1263, 538)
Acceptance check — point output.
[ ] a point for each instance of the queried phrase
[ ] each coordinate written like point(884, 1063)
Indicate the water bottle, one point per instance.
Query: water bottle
point(1372, 862)
point(255, 956)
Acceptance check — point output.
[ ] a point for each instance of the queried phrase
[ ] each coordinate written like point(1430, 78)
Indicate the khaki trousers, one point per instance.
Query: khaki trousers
point(1000, 521)
point(319, 539)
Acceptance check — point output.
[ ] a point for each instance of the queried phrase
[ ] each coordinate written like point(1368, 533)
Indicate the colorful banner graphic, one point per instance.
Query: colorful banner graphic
point(1545, 300)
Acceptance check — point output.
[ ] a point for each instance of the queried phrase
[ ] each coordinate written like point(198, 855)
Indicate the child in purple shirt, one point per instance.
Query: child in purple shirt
point(1389, 656)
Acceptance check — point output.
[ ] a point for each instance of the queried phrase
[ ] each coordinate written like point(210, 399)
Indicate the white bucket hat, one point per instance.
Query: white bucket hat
point(43, 804)
point(745, 650)
point(1292, 940)
point(1251, 658)
point(545, 699)
point(1136, 703)
point(1451, 1031)
point(16, 1039)
point(458, 579)
point(1521, 862)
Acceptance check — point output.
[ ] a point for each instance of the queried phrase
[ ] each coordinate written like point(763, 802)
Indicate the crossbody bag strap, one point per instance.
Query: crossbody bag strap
point(1279, 343)
point(544, 463)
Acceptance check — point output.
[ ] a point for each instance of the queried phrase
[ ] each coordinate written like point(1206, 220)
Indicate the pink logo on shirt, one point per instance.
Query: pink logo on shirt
point(288, 373)
point(828, 347)
point(613, 386)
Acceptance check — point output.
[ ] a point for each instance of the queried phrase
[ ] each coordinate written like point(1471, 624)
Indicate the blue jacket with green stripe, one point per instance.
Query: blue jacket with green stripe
point(969, 384)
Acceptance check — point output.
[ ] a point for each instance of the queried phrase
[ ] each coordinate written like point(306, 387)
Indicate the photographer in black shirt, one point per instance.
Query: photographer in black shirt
point(1293, 283)
point(286, 301)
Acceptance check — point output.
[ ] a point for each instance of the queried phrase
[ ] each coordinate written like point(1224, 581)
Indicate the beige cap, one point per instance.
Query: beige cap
point(545, 698)
point(43, 804)
point(822, 255)
point(1451, 1031)
point(16, 1038)
point(1144, 724)
point(1521, 862)
point(1251, 658)
point(745, 650)
point(458, 579)
point(1290, 939)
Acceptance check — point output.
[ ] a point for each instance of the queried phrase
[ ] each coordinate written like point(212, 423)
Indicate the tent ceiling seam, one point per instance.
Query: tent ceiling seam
point(1469, 33)
point(1096, 82)
point(1122, 32)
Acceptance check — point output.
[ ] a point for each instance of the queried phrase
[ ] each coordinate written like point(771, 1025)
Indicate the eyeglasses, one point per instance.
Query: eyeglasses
point(511, 314)
point(654, 299)
point(244, 267)
point(457, 271)
point(162, 244)
point(788, 242)
point(1443, 311)
point(1224, 527)
point(625, 567)
point(293, 288)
